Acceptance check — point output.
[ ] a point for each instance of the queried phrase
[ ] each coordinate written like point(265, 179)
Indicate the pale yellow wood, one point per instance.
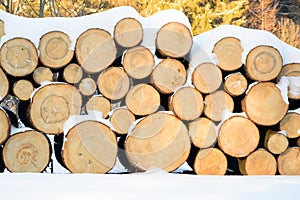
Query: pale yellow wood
point(2, 29)
point(4, 126)
point(72, 73)
point(216, 104)
point(18, 57)
point(159, 140)
point(289, 162)
point(229, 53)
point(238, 136)
point(23, 89)
point(138, 62)
point(207, 78)
point(90, 147)
point(122, 119)
point(52, 105)
point(113, 83)
point(174, 40)
point(275, 142)
point(4, 86)
point(236, 84)
point(292, 69)
point(264, 104)
point(291, 125)
point(142, 99)
point(128, 32)
point(41, 74)
point(203, 132)
point(187, 103)
point(27, 152)
point(263, 63)
point(99, 103)
point(95, 50)
point(87, 86)
point(55, 51)
point(168, 75)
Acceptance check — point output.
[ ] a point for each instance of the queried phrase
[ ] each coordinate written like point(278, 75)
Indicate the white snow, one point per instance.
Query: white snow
point(283, 132)
point(283, 86)
point(14, 130)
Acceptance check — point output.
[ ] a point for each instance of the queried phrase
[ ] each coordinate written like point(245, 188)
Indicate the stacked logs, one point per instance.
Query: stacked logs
point(151, 115)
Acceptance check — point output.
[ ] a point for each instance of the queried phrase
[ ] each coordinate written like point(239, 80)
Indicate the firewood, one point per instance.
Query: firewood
point(207, 78)
point(275, 142)
point(87, 86)
point(4, 126)
point(291, 125)
point(128, 32)
point(90, 147)
point(210, 161)
point(27, 151)
point(263, 63)
point(203, 132)
point(99, 103)
point(122, 119)
point(4, 86)
point(168, 75)
point(159, 140)
point(174, 40)
point(41, 74)
point(19, 57)
point(292, 69)
point(2, 30)
point(72, 73)
point(235, 84)
point(216, 103)
point(187, 103)
point(113, 83)
point(142, 99)
point(259, 162)
point(229, 53)
point(264, 104)
point(23, 89)
point(138, 62)
point(55, 49)
point(52, 105)
point(238, 136)
point(95, 50)
point(289, 162)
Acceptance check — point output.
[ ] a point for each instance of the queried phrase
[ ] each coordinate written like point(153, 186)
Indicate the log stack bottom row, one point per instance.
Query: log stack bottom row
point(147, 109)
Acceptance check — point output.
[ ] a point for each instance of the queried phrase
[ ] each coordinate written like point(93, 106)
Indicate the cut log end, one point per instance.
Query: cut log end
point(72, 73)
point(2, 30)
point(275, 142)
point(42, 74)
point(4, 86)
point(121, 120)
point(291, 125)
point(23, 89)
point(236, 84)
point(4, 126)
point(99, 103)
point(87, 86)
point(289, 162)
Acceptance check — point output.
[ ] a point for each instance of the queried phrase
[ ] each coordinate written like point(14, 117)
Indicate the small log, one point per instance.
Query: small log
point(216, 103)
point(207, 78)
point(229, 53)
point(41, 74)
point(291, 125)
point(203, 132)
point(19, 57)
point(90, 147)
point(2, 30)
point(72, 73)
point(238, 136)
point(138, 62)
point(55, 49)
point(23, 89)
point(289, 162)
point(128, 32)
point(113, 83)
point(99, 103)
point(264, 104)
point(95, 50)
point(142, 99)
point(52, 105)
point(292, 69)
point(174, 40)
point(259, 162)
point(187, 103)
point(275, 142)
point(4, 126)
point(27, 151)
point(159, 140)
point(87, 86)
point(210, 161)
point(168, 75)
point(4, 86)
point(263, 63)
point(122, 119)
point(235, 84)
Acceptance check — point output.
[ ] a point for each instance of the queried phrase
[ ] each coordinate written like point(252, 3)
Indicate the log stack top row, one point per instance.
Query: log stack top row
point(115, 75)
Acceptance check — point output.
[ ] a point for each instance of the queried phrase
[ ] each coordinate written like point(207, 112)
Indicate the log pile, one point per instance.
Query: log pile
point(157, 109)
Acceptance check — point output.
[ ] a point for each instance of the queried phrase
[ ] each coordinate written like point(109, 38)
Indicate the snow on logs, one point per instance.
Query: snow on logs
point(131, 84)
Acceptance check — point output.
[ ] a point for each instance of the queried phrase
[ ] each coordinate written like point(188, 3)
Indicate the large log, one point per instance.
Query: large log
point(159, 140)
point(289, 162)
point(122, 119)
point(72, 73)
point(291, 125)
point(27, 151)
point(90, 147)
point(23, 89)
point(275, 142)
point(19, 57)
point(4, 86)
point(99, 103)
point(4, 126)
point(291, 70)
point(42, 74)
